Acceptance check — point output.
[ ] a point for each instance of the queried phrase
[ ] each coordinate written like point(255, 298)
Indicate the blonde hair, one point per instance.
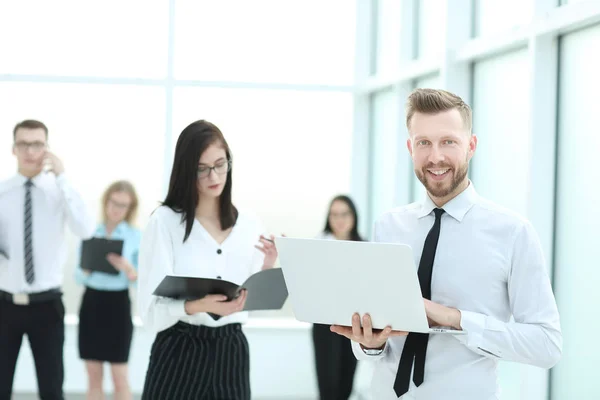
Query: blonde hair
point(121, 186)
point(434, 101)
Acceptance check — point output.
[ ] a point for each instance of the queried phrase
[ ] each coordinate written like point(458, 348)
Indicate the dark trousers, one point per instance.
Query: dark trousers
point(189, 362)
point(43, 323)
point(335, 363)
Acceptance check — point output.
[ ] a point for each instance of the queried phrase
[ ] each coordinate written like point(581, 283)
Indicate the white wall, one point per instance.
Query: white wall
point(281, 357)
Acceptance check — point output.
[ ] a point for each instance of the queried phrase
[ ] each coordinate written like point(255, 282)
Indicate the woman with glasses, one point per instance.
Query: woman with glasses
point(335, 361)
point(105, 326)
point(200, 350)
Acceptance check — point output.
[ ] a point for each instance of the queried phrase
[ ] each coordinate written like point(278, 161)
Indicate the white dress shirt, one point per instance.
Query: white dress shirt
point(163, 252)
point(54, 206)
point(489, 265)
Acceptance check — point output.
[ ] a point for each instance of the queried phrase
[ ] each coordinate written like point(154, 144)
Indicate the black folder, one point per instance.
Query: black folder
point(266, 289)
point(94, 252)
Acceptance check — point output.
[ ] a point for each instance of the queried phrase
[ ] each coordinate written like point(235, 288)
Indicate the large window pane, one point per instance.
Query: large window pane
point(309, 41)
point(501, 123)
point(493, 16)
point(387, 36)
point(576, 273)
point(432, 28)
point(99, 136)
point(384, 151)
point(68, 37)
point(417, 189)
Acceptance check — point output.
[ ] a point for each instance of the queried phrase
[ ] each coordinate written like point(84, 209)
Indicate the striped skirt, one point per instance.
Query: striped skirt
point(197, 362)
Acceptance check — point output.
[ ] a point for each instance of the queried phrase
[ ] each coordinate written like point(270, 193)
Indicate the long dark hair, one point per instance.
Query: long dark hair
point(354, 235)
point(183, 190)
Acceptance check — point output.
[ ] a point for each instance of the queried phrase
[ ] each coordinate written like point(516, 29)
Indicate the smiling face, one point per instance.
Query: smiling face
point(441, 147)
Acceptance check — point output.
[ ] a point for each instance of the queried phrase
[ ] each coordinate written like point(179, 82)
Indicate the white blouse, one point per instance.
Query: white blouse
point(162, 252)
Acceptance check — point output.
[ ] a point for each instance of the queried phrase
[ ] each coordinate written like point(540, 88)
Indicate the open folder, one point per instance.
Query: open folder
point(330, 280)
point(266, 289)
point(94, 252)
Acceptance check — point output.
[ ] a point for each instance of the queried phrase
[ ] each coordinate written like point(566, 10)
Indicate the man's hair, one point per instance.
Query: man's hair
point(434, 101)
point(30, 124)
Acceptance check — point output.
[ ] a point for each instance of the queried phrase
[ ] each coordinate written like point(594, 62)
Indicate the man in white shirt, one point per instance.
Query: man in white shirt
point(35, 207)
point(479, 265)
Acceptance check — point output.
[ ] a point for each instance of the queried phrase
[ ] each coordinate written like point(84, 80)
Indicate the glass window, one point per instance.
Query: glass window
point(387, 36)
point(501, 123)
point(576, 273)
point(308, 41)
point(102, 134)
point(493, 16)
point(417, 189)
point(105, 39)
point(384, 151)
point(291, 149)
point(432, 28)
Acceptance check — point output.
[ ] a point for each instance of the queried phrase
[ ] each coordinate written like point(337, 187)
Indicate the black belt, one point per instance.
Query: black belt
point(24, 299)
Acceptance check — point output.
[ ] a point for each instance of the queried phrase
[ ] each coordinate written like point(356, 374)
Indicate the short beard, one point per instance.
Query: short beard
point(438, 189)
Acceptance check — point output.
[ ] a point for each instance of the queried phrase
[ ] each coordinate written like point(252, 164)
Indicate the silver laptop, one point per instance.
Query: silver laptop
point(330, 280)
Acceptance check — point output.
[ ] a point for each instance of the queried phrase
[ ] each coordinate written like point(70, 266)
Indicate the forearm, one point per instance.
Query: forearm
point(538, 344)
point(79, 218)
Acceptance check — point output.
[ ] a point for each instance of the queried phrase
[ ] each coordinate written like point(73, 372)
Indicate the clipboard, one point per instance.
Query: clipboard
point(94, 252)
point(266, 289)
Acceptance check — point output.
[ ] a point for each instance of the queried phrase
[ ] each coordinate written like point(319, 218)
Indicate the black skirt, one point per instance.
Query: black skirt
point(189, 362)
point(105, 326)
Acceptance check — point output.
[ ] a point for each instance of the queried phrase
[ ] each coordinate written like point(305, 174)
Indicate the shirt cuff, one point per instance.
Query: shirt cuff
point(474, 324)
point(177, 308)
point(360, 354)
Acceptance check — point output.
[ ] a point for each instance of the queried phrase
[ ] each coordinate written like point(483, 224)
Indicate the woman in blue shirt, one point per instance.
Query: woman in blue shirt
point(105, 325)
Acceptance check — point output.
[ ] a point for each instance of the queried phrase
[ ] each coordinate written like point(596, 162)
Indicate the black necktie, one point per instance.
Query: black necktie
point(415, 347)
point(28, 247)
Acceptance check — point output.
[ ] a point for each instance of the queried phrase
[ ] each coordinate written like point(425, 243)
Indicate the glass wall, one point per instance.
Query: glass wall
point(501, 122)
point(576, 272)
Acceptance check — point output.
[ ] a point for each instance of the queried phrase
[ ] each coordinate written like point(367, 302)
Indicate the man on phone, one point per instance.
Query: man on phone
point(36, 205)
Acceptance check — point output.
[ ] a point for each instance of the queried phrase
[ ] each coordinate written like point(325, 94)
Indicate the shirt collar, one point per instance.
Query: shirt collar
point(456, 208)
point(119, 229)
point(18, 180)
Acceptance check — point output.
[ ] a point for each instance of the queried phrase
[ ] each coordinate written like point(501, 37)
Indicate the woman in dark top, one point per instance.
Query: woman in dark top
point(334, 359)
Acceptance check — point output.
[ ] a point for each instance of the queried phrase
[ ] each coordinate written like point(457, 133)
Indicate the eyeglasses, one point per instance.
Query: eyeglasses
point(35, 146)
point(346, 214)
point(117, 204)
point(220, 169)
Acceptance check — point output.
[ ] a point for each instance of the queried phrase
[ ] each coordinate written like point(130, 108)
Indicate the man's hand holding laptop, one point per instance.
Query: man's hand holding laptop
point(366, 335)
point(369, 338)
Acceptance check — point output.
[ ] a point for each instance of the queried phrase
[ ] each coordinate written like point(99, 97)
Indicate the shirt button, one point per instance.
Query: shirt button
point(219, 251)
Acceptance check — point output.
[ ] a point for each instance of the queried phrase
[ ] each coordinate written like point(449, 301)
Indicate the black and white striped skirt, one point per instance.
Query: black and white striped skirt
point(199, 362)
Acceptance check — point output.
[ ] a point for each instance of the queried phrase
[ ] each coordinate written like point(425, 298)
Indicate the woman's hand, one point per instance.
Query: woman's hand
point(121, 264)
point(269, 249)
point(216, 304)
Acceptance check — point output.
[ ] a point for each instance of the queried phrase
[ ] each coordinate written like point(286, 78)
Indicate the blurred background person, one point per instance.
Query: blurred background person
point(36, 206)
point(335, 362)
point(105, 324)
